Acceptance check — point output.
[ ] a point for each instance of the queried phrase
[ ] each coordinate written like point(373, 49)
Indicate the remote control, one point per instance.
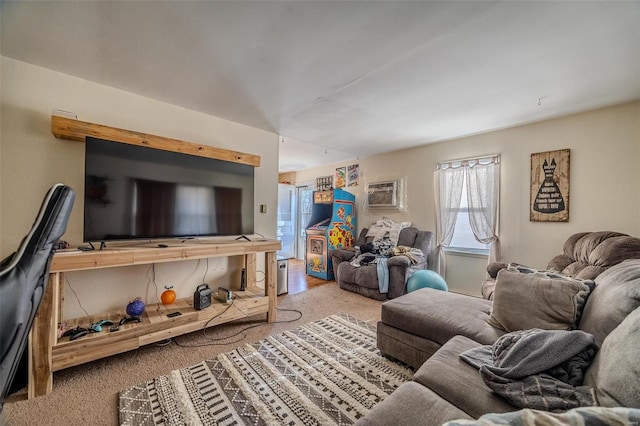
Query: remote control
point(174, 314)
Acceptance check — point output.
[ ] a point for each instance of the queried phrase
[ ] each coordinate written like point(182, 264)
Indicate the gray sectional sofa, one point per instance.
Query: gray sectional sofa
point(429, 329)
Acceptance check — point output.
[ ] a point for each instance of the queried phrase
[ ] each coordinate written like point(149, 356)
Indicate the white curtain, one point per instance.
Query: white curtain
point(447, 181)
point(483, 189)
point(482, 177)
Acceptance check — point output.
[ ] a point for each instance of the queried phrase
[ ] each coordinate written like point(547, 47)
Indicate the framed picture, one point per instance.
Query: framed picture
point(353, 175)
point(324, 183)
point(341, 177)
point(549, 191)
point(383, 194)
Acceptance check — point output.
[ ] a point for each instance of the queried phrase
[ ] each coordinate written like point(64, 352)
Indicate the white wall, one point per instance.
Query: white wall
point(604, 192)
point(32, 160)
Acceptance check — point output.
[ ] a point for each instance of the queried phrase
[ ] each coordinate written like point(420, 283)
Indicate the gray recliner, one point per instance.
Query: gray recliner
point(364, 279)
point(23, 281)
point(585, 255)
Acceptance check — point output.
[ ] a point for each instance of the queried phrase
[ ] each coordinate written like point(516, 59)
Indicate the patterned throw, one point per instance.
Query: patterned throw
point(324, 372)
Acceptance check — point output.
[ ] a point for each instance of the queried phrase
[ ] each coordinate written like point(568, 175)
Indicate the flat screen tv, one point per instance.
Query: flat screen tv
point(135, 192)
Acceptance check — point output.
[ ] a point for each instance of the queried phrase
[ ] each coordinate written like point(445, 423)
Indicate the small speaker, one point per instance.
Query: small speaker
point(202, 297)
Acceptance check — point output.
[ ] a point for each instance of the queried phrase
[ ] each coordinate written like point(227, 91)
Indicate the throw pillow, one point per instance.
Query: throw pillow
point(522, 301)
point(615, 371)
point(516, 267)
point(581, 297)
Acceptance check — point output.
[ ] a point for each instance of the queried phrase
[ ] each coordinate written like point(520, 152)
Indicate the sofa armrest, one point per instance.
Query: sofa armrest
point(399, 267)
point(494, 267)
point(559, 262)
point(344, 254)
point(487, 288)
point(398, 261)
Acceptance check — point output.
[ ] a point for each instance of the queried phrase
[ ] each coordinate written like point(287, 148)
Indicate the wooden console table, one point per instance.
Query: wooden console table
point(48, 353)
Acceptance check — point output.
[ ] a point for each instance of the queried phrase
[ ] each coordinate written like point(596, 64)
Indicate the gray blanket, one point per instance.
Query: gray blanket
point(539, 369)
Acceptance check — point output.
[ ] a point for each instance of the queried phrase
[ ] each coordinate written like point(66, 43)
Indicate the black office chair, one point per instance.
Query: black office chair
point(23, 280)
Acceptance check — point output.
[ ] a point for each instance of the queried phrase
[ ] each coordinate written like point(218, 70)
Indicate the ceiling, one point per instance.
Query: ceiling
point(342, 80)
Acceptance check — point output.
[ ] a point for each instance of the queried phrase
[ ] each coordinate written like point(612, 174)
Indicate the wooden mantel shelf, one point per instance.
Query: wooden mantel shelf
point(76, 130)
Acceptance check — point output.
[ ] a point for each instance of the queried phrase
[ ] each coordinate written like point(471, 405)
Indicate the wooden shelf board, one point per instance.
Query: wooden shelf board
point(76, 130)
point(155, 327)
point(140, 255)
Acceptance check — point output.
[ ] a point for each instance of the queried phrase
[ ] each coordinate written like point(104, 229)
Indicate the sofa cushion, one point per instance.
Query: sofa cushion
point(537, 300)
point(344, 254)
point(407, 237)
point(362, 237)
point(616, 295)
point(458, 382)
point(545, 273)
point(615, 372)
point(426, 313)
point(412, 404)
point(494, 267)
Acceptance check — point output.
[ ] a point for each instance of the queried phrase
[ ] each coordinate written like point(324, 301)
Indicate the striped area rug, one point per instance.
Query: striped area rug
point(325, 372)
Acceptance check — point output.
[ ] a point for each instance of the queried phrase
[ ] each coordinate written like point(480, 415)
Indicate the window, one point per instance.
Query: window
point(463, 239)
point(466, 196)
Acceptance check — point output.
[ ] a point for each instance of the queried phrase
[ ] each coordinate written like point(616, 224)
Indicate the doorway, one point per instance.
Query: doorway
point(305, 202)
point(286, 225)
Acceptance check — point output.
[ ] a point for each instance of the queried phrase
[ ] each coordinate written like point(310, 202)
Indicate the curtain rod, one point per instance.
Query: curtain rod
point(472, 161)
point(459, 160)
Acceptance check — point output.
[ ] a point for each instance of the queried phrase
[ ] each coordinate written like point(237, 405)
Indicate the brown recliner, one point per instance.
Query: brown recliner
point(585, 255)
point(364, 279)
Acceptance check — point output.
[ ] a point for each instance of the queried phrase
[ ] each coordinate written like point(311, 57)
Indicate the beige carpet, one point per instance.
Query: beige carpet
point(88, 394)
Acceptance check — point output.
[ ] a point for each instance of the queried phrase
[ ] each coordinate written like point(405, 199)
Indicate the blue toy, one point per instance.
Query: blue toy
point(426, 279)
point(135, 308)
point(96, 327)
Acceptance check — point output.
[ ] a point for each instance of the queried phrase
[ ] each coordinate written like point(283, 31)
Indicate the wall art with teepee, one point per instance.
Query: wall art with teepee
point(549, 191)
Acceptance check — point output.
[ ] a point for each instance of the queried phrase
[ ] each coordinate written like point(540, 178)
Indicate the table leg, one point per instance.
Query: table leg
point(42, 337)
point(270, 287)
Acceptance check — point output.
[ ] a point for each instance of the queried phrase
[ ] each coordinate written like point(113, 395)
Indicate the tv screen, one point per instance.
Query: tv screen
point(134, 192)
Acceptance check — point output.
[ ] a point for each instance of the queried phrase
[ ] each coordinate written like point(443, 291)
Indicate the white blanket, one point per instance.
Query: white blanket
point(386, 227)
